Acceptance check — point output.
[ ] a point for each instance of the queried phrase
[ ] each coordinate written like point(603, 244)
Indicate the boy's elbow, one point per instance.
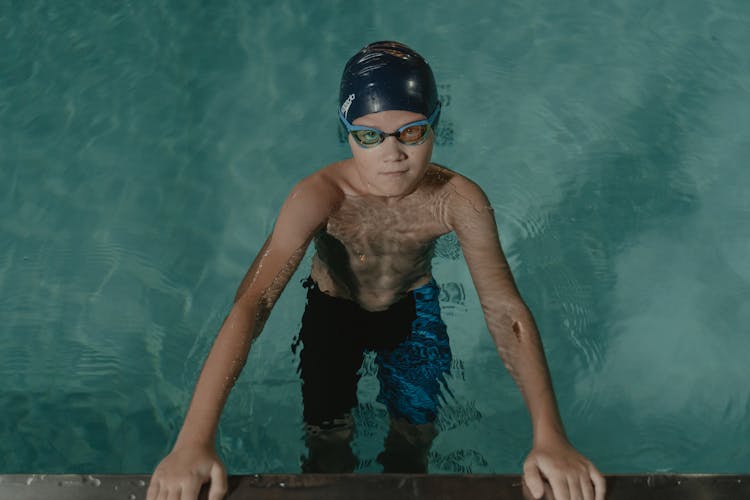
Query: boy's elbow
point(514, 322)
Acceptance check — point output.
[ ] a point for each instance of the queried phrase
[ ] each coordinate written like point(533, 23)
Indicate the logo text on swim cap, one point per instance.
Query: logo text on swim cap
point(347, 104)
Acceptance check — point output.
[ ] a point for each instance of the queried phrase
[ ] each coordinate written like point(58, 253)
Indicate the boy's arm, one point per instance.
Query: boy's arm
point(515, 335)
point(303, 213)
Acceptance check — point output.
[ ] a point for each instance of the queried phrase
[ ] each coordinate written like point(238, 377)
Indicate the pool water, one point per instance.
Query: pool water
point(146, 147)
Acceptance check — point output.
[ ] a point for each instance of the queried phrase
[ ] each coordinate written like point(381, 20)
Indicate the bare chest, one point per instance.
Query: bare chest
point(378, 231)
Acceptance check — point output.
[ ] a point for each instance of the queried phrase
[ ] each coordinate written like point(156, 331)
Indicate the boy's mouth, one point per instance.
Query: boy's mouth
point(394, 172)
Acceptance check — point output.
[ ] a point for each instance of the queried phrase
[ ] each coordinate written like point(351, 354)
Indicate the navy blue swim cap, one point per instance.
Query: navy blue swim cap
point(387, 76)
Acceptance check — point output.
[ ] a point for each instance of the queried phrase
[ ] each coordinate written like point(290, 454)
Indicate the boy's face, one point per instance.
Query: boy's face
point(391, 168)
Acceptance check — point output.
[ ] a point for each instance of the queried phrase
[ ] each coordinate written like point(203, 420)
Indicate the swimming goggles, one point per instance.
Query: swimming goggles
point(411, 134)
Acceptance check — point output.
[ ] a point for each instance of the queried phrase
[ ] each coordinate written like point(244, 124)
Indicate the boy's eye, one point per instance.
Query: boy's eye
point(368, 136)
point(413, 133)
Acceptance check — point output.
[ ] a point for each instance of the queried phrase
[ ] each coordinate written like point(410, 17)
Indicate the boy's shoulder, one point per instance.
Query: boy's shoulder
point(458, 188)
point(462, 198)
point(332, 181)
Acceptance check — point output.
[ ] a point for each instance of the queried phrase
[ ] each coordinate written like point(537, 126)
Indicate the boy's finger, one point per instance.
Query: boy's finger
point(153, 489)
point(600, 484)
point(587, 488)
point(561, 488)
point(175, 494)
point(191, 489)
point(218, 483)
point(533, 480)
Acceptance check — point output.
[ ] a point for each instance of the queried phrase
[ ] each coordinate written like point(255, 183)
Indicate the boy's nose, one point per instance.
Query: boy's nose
point(392, 150)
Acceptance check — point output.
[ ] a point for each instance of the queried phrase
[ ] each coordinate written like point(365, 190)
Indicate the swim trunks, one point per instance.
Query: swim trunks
point(411, 349)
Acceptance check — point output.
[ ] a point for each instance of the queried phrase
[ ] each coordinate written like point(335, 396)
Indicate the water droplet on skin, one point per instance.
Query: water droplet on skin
point(283, 485)
point(132, 496)
point(91, 479)
point(141, 483)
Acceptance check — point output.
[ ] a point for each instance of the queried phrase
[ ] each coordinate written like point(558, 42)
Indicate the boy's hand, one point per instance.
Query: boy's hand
point(570, 474)
point(181, 474)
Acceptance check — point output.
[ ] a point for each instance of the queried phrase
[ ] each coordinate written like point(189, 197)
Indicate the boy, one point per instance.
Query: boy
point(374, 219)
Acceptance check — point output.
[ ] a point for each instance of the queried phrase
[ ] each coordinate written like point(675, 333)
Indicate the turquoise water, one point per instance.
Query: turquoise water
point(145, 148)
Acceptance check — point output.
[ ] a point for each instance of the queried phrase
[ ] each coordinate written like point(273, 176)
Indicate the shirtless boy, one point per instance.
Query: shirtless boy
point(374, 219)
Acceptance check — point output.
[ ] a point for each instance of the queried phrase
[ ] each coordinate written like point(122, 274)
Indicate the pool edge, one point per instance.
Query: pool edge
point(371, 486)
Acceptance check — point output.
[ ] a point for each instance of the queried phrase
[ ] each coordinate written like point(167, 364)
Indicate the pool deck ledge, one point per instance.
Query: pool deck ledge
point(372, 486)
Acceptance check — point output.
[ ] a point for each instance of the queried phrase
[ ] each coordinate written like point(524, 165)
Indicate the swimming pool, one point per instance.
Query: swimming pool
point(144, 151)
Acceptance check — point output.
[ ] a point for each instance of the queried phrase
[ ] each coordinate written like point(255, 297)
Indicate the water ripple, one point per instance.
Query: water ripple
point(458, 462)
point(454, 416)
